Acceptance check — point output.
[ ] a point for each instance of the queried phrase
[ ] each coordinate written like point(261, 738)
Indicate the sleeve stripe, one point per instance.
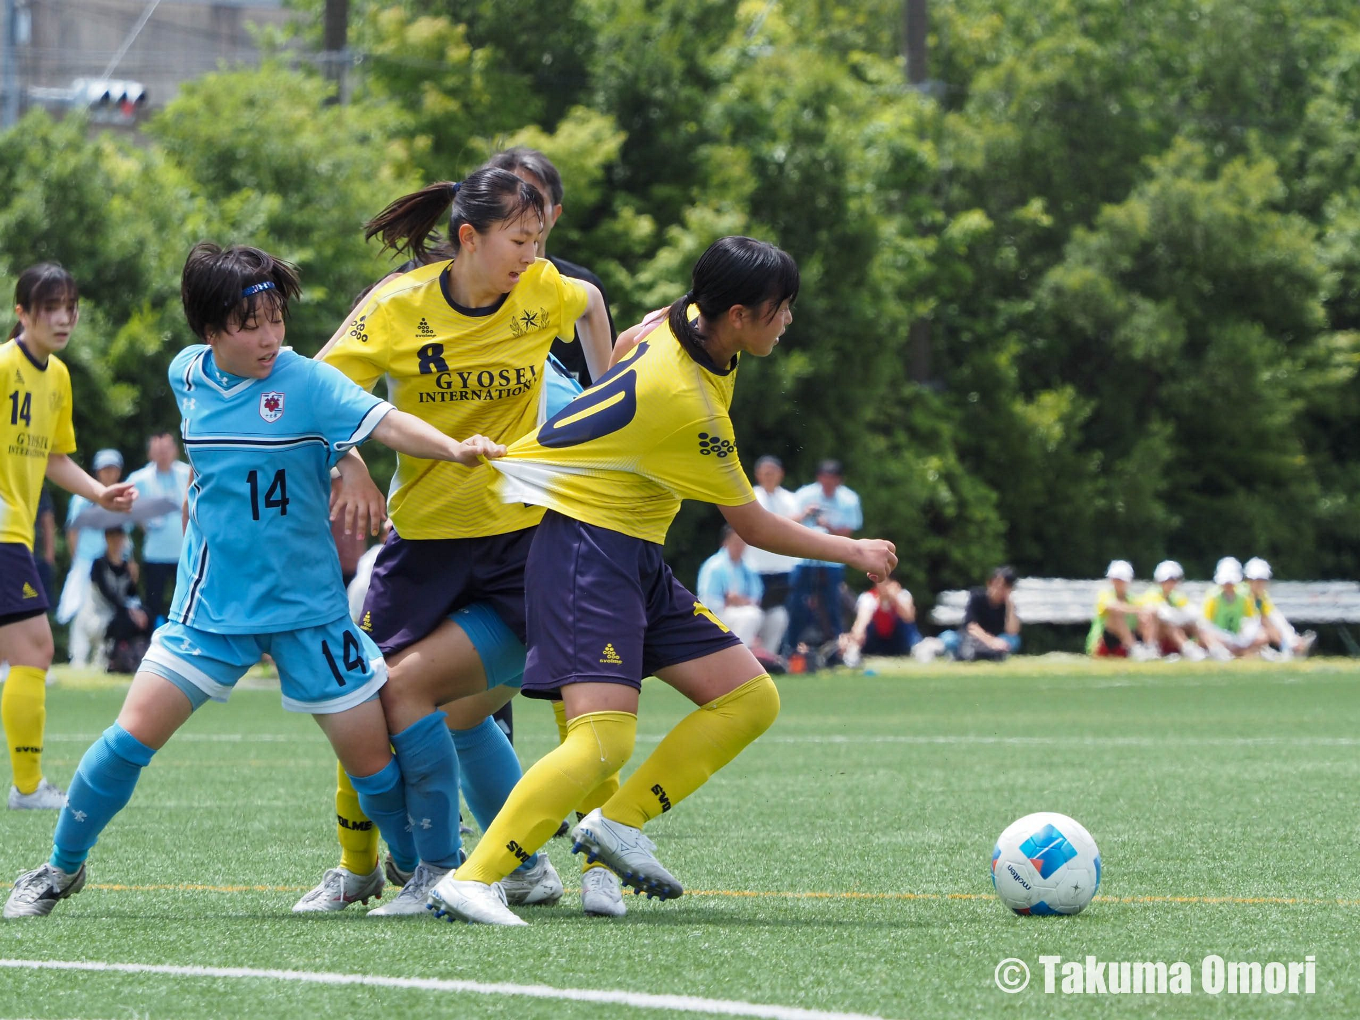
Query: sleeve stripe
point(366, 426)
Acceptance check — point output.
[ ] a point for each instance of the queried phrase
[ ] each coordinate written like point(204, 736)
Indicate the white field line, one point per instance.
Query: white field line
point(640, 1000)
point(1057, 740)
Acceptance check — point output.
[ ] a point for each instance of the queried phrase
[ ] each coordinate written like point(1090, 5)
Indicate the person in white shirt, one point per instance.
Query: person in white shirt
point(825, 505)
point(774, 570)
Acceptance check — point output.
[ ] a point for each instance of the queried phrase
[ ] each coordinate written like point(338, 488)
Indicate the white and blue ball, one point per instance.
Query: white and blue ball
point(1044, 864)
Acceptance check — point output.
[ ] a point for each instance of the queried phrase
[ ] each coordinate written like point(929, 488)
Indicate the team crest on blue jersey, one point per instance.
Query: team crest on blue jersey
point(271, 406)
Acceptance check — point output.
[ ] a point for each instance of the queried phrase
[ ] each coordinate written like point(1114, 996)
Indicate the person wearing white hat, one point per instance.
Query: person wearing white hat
point(86, 545)
point(1279, 631)
point(1116, 618)
point(1170, 625)
point(1231, 627)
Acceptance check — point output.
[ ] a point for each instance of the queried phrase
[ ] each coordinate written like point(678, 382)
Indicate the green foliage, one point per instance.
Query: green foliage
point(1133, 231)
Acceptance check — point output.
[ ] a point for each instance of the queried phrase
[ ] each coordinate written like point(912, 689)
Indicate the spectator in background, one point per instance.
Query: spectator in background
point(85, 546)
point(1230, 628)
point(825, 505)
point(774, 569)
point(166, 476)
point(885, 623)
point(732, 590)
point(1169, 624)
point(1116, 623)
point(122, 623)
point(45, 545)
point(1279, 631)
point(991, 628)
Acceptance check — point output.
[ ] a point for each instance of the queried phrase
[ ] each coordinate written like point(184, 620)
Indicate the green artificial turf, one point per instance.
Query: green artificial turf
point(840, 864)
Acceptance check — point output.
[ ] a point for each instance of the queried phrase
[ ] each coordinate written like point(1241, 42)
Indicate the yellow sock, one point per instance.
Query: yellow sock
point(23, 706)
point(358, 835)
point(596, 747)
point(596, 797)
point(703, 742)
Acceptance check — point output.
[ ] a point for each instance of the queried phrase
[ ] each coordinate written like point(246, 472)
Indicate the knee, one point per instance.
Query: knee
point(605, 738)
point(755, 704)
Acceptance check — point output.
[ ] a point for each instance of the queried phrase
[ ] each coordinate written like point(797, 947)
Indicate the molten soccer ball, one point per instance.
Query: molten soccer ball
point(1045, 863)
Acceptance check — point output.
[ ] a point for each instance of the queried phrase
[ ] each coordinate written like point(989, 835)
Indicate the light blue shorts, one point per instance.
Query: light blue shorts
point(502, 653)
point(322, 670)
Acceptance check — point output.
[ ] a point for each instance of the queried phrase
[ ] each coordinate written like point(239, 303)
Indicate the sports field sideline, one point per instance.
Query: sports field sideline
point(840, 866)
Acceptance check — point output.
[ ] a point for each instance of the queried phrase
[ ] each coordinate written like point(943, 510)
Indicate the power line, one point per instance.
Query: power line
point(131, 37)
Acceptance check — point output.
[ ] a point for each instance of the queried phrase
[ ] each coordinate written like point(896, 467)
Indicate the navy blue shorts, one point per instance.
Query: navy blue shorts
point(22, 594)
point(418, 583)
point(605, 608)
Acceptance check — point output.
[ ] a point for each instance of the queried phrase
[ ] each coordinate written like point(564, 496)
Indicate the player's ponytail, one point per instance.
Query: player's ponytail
point(487, 197)
point(733, 271)
point(47, 281)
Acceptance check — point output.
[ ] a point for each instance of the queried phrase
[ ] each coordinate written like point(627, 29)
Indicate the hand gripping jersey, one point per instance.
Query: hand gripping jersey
point(258, 556)
point(35, 421)
point(465, 371)
point(653, 431)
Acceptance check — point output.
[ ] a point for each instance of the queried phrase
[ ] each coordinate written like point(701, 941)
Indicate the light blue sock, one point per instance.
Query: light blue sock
point(429, 769)
point(490, 770)
point(382, 796)
point(104, 782)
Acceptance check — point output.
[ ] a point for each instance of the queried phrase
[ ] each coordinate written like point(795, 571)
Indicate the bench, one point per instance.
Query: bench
point(1063, 601)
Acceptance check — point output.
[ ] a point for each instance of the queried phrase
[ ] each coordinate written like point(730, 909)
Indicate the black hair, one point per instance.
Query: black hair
point(226, 287)
point(113, 532)
point(531, 161)
point(733, 271)
point(1006, 574)
point(830, 467)
point(47, 281)
point(769, 458)
point(486, 197)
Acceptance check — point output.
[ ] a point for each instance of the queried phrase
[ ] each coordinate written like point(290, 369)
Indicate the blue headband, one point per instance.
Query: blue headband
point(255, 288)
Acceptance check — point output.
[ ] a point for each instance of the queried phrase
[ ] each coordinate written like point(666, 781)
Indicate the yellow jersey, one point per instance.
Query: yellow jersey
point(652, 431)
point(35, 422)
point(465, 371)
point(1154, 598)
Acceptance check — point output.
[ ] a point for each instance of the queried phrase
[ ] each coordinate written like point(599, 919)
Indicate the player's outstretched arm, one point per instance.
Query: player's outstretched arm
point(407, 434)
point(764, 530)
point(597, 342)
point(72, 477)
point(634, 335)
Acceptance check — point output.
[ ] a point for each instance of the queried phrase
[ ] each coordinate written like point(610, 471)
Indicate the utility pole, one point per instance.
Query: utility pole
point(335, 42)
point(916, 28)
point(10, 115)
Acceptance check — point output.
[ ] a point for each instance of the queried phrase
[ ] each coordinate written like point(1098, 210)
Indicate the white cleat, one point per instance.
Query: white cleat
point(37, 892)
point(601, 894)
point(45, 798)
point(538, 886)
point(628, 852)
point(473, 902)
point(410, 902)
point(339, 888)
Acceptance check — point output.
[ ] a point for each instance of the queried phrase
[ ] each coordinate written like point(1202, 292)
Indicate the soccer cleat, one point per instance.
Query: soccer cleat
point(339, 888)
point(628, 852)
point(473, 902)
point(410, 902)
point(540, 885)
point(37, 892)
point(601, 895)
point(45, 798)
point(396, 878)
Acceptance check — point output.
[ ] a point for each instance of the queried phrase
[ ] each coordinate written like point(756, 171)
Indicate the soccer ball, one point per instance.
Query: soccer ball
point(1044, 864)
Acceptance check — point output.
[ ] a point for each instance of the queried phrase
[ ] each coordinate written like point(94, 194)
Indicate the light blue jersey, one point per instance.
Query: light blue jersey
point(841, 510)
point(258, 556)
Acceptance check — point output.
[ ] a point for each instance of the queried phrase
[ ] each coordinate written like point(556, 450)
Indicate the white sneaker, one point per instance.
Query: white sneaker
point(1144, 653)
point(1306, 642)
point(45, 798)
point(339, 888)
point(852, 655)
point(473, 902)
point(539, 885)
point(37, 892)
point(1220, 654)
point(628, 852)
point(410, 902)
point(927, 649)
point(1192, 652)
point(601, 895)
